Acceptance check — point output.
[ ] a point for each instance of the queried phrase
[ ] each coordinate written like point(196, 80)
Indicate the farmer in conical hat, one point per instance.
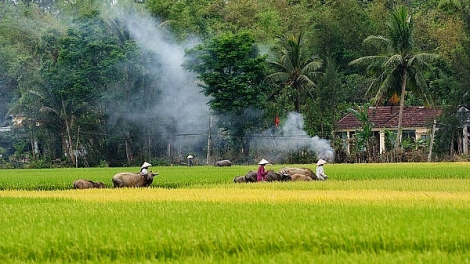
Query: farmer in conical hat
point(144, 168)
point(320, 172)
point(261, 175)
point(190, 160)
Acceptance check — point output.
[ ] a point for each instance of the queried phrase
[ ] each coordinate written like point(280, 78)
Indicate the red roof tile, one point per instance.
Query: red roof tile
point(387, 117)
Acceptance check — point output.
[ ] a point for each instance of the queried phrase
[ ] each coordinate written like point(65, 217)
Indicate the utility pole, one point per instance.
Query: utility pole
point(431, 144)
point(209, 141)
point(463, 113)
point(465, 138)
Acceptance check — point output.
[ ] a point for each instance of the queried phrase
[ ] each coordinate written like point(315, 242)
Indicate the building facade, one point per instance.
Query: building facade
point(416, 123)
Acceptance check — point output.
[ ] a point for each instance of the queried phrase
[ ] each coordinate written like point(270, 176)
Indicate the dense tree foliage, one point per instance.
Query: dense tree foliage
point(294, 70)
point(84, 86)
point(399, 67)
point(232, 72)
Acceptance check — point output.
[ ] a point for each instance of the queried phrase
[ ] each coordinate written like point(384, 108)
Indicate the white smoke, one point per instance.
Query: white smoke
point(184, 108)
point(291, 136)
point(180, 98)
point(181, 106)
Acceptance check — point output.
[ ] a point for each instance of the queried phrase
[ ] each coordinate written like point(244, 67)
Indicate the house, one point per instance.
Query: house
point(416, 123)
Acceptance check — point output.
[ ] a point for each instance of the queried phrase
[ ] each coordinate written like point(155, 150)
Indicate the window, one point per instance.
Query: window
point(408, 134)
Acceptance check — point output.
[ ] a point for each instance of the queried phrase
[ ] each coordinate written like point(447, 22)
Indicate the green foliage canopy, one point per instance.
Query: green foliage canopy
point(232, 74)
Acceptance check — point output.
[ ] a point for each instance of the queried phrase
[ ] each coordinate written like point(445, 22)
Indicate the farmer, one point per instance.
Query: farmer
point(261, 175)
point(320, 172)
point(144, 168)
point(190, 160)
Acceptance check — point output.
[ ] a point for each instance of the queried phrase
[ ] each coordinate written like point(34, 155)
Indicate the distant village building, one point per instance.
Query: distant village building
point(15, 121)
point(416, 123)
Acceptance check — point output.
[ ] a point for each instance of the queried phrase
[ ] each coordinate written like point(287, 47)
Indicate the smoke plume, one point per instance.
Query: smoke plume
point(183, 108)
point(291, 136)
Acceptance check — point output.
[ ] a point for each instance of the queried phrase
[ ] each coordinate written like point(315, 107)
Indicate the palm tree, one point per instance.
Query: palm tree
point(293, 68)
point(365, 136)
point(399, 68)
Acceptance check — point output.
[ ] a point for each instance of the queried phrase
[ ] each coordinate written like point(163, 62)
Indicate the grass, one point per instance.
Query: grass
point(206, 176)
point(198, 215)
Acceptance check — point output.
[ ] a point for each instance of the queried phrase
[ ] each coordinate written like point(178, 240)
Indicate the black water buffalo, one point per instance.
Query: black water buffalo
point(248, 177)
point(223, 163)
point(276, 176)
point(251, 176)
point(129, 179)
point(87, 184)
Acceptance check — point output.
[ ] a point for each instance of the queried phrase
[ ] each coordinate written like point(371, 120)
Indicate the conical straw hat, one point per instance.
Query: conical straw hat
point(145, 165)
point(263, 162)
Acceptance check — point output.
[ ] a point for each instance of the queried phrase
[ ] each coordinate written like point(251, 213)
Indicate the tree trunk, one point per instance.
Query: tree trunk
point(128, 152)
point(69, 134)
point(400, 113)
point(451, 152)
point(33, 148)
point(297, 100)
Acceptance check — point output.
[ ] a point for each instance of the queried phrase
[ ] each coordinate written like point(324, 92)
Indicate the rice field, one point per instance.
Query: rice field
point(365, 213)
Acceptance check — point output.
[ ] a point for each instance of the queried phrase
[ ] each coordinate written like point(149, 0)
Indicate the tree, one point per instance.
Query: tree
point(75, 68)
point(340, 28)
point(364, 136)
point(399, 67)
point(232, 74)
point(294, 69)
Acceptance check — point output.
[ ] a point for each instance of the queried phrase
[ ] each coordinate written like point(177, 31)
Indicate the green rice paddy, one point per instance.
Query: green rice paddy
point(365, 213)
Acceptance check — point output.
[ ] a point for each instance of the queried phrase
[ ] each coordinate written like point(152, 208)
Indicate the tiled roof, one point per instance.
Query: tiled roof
point(387, 117)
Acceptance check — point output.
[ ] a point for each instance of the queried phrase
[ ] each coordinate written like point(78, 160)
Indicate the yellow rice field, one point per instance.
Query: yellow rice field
point(247, 195)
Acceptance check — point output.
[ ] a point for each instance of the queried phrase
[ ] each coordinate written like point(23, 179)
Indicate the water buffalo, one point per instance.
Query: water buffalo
point(305, 171)
point(276, 176)
point(87, 184)
point(301, 177)
point(239, 179)
point(248, 177)
point(223, 163)
point(251, 176)
point(129, 179)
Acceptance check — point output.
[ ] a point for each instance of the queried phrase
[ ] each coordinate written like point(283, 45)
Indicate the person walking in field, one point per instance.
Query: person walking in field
point(261, 174)
point(320, 172)
point(190, 160)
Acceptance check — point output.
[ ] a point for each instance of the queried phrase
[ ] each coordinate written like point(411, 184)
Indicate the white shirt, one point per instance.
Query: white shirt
point(320, 172)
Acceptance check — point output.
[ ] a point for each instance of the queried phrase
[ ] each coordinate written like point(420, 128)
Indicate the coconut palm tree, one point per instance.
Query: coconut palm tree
point(294, 69)
point(399, 68)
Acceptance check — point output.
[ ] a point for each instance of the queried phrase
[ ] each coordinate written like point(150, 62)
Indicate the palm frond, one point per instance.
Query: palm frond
point(312, 66)
point(278, 77)
point(385, 86)
point(305, 81)
point(47, 109)
point(367, 60)
point(393, 61)
point(278, 66)
point(377, 41)
point(401, 27)
point(422, 59)
point(422, 88)
point(286, 62)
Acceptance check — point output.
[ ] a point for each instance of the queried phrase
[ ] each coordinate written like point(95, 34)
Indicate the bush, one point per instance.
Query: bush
point(39, 164)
